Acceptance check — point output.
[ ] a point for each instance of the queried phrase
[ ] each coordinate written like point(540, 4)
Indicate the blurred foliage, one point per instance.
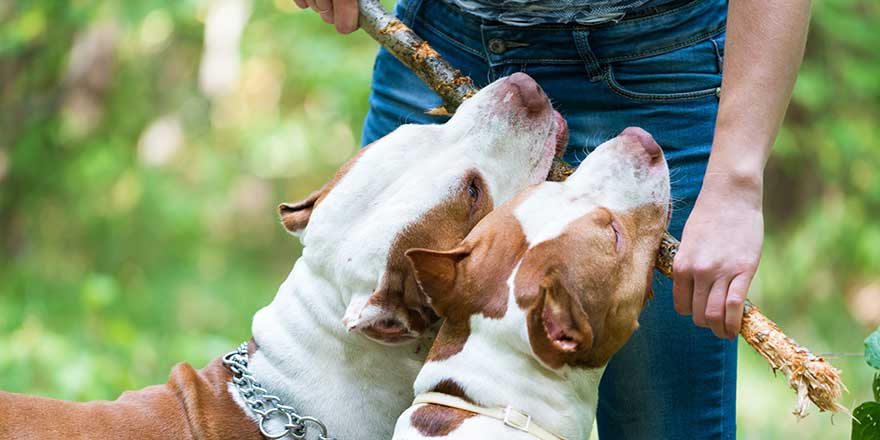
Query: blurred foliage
point(138, 189)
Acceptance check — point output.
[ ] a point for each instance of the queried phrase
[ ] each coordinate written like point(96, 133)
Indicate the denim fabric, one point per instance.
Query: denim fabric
point(659, 69)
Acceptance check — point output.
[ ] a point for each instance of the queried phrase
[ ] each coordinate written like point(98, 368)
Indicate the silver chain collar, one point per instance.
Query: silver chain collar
point(265, 405)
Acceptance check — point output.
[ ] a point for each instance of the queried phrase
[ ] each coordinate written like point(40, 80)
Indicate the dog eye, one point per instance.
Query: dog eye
point(473, 189)
point(475, 194)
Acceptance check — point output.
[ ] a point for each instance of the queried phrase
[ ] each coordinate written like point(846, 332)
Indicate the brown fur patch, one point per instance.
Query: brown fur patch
point(452, 388)
point(440, 228)
point(450, 340)
point(494, 247)
point(608, 286)
point(438, 421)
point(193, 404)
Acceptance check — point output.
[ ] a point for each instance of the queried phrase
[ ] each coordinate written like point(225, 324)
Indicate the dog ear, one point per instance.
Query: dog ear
point(562, 319)
point(295, 216)
point(435, 273)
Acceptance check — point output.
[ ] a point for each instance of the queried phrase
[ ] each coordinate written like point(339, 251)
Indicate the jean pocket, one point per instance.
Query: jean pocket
point(691, 72)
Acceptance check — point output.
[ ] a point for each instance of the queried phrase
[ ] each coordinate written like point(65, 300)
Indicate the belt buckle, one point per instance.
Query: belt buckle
point(516, 419)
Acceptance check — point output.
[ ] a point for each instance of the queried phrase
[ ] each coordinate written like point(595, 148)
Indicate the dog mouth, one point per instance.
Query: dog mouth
point(557, 138)
point(389, 331)
point(554, 144)
point(559, 134)
point(394, 328)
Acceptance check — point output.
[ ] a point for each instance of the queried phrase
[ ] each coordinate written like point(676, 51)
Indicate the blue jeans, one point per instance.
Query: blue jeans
point(659, 69)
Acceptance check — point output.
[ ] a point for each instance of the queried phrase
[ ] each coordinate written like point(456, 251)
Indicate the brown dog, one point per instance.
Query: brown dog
point(538, 298)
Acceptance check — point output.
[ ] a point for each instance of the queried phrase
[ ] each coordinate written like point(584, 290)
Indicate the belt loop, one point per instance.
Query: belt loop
point(581, 40)
point(411, 9)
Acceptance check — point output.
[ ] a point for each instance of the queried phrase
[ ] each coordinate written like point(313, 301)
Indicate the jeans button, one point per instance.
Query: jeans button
point(497, 46)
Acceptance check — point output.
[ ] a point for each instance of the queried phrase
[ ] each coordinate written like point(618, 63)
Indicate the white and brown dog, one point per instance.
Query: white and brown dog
point(538, 297)
point(314, 346)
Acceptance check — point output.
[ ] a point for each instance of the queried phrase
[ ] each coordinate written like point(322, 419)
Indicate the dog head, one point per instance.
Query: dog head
point(564, 269)
point(422, 186)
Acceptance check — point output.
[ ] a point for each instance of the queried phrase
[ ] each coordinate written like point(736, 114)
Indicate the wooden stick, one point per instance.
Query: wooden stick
point(416, 54)
point(812, 377)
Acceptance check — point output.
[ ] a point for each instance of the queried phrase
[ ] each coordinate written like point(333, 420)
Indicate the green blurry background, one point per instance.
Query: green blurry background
point(144, 146)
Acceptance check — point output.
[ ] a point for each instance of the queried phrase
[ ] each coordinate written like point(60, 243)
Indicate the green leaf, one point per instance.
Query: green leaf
point(872, 350)
point(866, 423)
point(876, 387)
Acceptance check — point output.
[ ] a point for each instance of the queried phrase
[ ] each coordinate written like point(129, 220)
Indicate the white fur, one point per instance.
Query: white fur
point(611, 177)
point(497, 366)
point(306, 356)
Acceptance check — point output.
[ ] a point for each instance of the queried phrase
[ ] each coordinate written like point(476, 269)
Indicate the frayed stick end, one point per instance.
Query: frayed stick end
point(814, 379)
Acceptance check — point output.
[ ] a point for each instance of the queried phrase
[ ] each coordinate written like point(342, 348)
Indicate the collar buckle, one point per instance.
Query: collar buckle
point(516, 419)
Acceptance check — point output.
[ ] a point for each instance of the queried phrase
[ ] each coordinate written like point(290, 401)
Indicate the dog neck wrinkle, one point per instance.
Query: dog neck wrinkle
point(308, 359)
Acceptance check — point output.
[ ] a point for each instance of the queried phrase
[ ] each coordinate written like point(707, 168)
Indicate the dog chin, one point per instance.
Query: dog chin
point(399, 338)
point(391, 341)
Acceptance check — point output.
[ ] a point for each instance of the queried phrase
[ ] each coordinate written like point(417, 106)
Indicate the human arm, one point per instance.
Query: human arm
point(722, 239)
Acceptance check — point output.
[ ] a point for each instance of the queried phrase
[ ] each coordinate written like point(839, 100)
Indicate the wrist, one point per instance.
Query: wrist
point(737, 177)
point(737, 182)
point(736, 164)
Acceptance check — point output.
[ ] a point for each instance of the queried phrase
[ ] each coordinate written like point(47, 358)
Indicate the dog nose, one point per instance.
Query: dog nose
point(529, 92)
point(645, 140)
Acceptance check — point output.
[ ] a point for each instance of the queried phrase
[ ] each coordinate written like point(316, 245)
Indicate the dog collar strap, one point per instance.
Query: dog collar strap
point(508, 415)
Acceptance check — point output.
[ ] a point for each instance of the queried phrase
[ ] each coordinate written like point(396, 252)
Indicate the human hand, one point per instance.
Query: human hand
point(719, 253)
point(341, 13)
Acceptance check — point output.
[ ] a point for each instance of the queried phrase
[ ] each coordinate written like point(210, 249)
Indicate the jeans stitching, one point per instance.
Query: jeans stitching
point(410, 11)
point(695, 39)
point(501, 60)
point(534, 60)
point(719, 54)
point(615, 87)
point(448, 38)
point(418, 19)
point(661, 14)
point(591, 64)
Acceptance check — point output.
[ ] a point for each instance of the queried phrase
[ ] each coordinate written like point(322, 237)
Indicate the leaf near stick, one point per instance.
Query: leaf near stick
point(876, 387)
point(866, 422)
point(872, 350)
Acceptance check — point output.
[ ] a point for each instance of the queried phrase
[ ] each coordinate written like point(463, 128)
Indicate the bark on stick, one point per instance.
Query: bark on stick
point(812, 377)
point(416, 54)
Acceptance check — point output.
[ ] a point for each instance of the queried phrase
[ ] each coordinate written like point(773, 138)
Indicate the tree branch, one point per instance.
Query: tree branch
point(416, 54)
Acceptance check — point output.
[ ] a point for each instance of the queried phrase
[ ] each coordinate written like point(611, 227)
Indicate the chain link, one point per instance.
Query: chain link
point(267, 406)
